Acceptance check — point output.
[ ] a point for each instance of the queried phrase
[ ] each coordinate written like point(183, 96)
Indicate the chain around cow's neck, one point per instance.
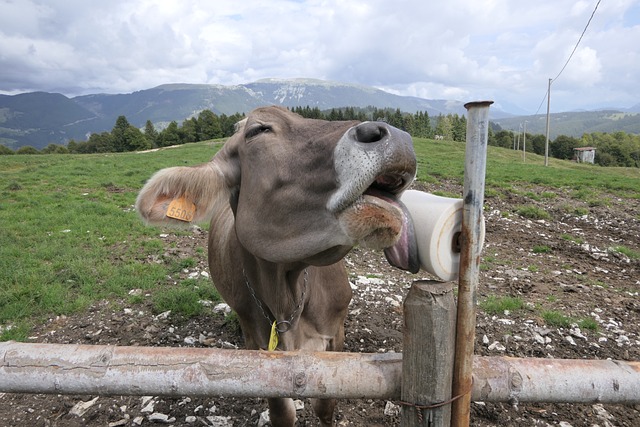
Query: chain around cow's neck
point(282, 326)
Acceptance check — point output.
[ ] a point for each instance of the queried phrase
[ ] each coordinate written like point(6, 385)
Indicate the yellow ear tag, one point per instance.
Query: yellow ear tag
point(273, 339)
point(181, 209)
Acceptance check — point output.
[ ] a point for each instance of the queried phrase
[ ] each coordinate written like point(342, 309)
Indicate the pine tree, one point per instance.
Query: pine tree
point(151, 133)
point(170, 135)
point(208, 125)
point(458, 128)
point(444, 127)
point(118, 134)
point(189, 131)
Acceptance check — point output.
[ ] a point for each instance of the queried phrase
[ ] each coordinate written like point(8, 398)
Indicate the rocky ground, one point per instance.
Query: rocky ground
point(578, 294)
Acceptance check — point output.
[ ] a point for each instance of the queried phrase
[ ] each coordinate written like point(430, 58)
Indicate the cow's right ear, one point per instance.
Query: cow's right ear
point(183, 195)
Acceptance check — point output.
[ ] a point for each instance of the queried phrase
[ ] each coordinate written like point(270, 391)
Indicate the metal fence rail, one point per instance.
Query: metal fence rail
point(165, 371)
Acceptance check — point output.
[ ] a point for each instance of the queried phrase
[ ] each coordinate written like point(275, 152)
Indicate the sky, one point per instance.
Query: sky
point(464, 50)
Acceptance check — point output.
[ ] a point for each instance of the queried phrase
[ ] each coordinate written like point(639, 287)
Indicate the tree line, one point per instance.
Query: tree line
point(126, 137)
point(612, 149)
point(419, 125)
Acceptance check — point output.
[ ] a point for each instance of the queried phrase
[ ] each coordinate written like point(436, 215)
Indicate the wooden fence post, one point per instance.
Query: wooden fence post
point(428, 354)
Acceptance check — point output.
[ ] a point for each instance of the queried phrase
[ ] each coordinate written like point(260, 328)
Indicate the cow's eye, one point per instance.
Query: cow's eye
point(256, 130)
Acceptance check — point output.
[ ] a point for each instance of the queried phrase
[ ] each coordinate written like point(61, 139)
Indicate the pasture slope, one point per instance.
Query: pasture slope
point(560, 277)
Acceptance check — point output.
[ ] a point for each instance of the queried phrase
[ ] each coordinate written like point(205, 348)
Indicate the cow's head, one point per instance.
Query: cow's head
point(301, 190)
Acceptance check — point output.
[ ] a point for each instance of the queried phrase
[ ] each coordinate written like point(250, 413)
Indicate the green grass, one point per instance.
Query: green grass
point(498, 305)
point(588, 323)
point(548, 195)
point(532, 212)
point(488, 262)
point(627, 251)
point(556, 319)
point(581, 211)
point(69, 236)
point(19, 331)
point(505, 168)
point(186, 298)
point(541, 249)
point(578, 240)
point(581, 194)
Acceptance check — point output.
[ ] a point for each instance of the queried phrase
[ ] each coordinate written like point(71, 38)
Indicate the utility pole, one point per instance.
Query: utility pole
point(546, 142)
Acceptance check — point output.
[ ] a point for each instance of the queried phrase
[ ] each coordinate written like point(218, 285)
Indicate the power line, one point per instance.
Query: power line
point(548, 94)
point(576, 46)
point(570, 56)
point(543, 98)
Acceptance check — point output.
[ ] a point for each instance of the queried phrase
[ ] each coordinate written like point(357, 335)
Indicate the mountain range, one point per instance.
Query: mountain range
point(41, 118)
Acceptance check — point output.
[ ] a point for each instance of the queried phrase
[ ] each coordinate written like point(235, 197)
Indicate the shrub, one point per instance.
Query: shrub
point(27, 149)
point(4, 150)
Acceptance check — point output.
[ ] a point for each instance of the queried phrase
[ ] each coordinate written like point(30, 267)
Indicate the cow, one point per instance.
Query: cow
point(287, 198)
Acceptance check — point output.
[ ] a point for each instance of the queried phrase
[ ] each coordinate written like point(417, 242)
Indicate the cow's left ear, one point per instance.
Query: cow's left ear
point(180, 195)
point(184, 195)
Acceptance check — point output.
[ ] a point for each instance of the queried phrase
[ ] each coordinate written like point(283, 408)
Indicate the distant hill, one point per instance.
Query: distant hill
point(326, 95)
point(37, 117)
point(577, 123)
point(40, 118)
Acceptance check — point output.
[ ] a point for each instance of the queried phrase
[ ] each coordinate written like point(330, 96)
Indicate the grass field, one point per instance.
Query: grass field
point(69, 235)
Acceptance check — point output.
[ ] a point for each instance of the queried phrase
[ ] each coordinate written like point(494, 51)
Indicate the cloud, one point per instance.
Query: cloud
point(460, 49)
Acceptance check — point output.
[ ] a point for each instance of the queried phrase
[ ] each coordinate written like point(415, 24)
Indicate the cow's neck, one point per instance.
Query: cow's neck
point(280, 289)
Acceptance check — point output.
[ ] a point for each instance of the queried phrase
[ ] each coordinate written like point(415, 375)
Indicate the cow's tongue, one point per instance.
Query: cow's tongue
point(403, 254)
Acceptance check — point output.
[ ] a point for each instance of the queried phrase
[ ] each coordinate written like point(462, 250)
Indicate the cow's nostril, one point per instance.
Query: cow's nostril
point(370, 132)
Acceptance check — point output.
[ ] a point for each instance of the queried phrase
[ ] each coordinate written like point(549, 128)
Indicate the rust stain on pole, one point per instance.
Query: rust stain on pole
point(472, 218)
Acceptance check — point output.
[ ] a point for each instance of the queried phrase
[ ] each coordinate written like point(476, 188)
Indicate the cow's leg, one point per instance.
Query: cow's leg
point(324, 410)
point(282, 412)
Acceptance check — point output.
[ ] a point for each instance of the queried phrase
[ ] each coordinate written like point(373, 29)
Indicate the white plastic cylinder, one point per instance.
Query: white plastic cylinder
point(437, 222)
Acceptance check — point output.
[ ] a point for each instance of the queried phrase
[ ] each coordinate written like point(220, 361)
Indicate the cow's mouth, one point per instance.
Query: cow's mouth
point(392, 183)
point(385, 190)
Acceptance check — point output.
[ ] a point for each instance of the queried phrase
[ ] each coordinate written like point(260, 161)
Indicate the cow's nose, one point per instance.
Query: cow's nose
point(370, 132)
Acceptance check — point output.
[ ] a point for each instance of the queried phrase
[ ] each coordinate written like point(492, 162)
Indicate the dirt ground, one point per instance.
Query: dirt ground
point(576, 275)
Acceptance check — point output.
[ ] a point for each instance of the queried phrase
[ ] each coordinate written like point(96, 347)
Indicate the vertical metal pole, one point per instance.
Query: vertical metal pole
point(546, 142)
point(472, 218)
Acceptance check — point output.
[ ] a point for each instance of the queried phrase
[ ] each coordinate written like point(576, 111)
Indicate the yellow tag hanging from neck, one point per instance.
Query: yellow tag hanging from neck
point(273, 338)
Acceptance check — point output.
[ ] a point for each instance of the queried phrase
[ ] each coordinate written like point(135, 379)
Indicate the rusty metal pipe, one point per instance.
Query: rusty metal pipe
point(470, 239)
point(163, 371)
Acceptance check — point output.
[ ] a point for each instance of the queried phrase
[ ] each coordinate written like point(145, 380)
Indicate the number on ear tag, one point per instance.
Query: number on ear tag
point(273, 338)
point(181, 209)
